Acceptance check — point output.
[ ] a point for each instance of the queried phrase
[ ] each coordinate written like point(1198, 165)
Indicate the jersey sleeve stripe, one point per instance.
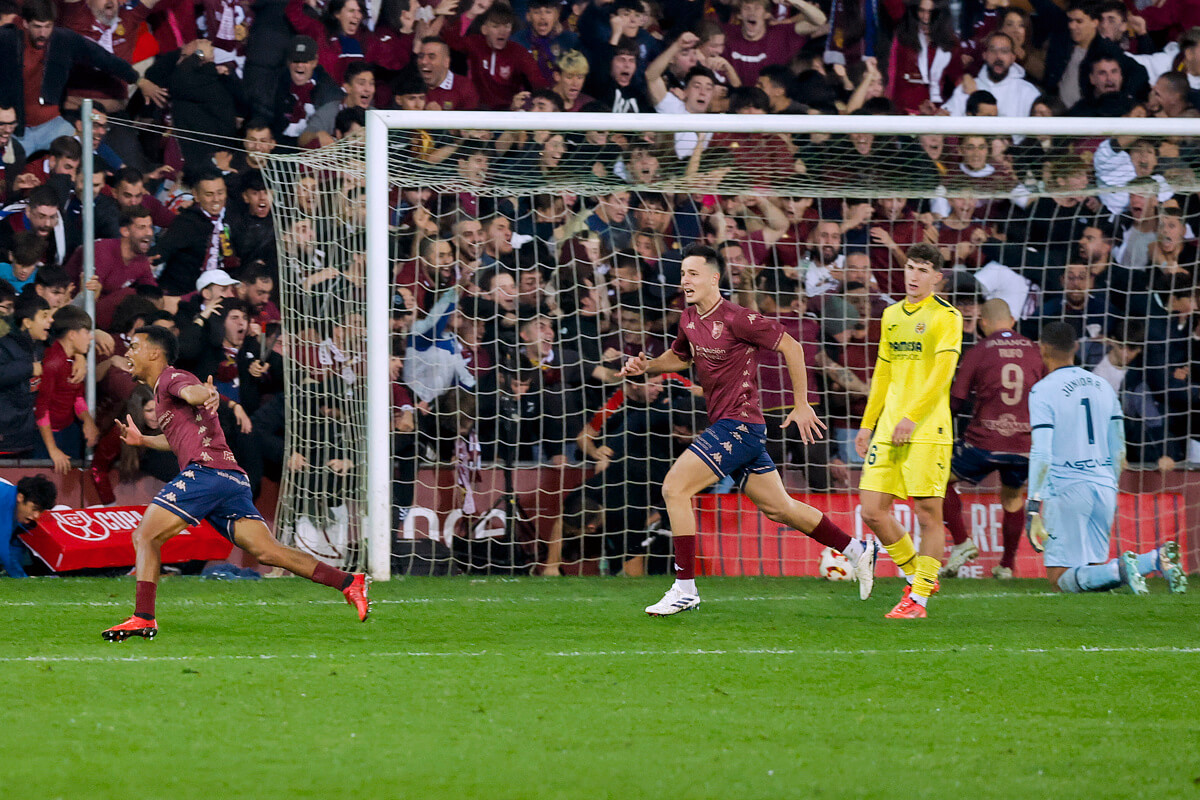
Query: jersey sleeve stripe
point(1043, 425)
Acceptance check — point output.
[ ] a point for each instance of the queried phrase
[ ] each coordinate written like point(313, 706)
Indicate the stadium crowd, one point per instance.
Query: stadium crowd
point(512, 315)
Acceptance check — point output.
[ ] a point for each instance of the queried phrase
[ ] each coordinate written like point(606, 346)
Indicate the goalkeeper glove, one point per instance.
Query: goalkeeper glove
point(1035, 529)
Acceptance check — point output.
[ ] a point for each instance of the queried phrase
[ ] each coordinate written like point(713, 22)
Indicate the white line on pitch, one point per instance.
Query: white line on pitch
point(281, 601)
point(598, 654)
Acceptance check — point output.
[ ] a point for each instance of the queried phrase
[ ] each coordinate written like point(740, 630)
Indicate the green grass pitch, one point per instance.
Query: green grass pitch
point(531, 688)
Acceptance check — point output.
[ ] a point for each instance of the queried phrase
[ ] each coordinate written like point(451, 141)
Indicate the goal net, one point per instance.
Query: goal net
point(518, 259)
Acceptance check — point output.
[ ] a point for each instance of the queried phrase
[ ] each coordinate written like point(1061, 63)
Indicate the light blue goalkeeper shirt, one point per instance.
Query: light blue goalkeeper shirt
point(1078, 432)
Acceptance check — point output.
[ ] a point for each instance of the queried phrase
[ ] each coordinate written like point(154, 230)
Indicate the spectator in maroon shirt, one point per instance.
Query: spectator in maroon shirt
point(499, 67)
point(1174, 16)
point(61, 410)
point(227, 24)
point(114, 27)
point(41, 215)
point(121, 264)
point(451, 92)
point(341, 35)
point(129, 189)
point(63, 158)
point(755, 43)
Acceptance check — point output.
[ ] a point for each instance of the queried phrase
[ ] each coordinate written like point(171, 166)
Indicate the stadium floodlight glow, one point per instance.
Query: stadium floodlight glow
point(376, 165)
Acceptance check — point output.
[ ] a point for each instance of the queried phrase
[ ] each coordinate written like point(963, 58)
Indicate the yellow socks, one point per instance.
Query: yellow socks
point(926, 579)
point(904, 555)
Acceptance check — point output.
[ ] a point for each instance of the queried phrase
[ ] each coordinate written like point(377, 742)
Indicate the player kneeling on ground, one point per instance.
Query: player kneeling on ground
point(722, 339)
point(209, 486)
point(1077, 456)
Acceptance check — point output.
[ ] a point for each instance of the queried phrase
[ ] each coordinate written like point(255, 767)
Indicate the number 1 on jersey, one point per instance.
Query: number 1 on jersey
point(1087, 408)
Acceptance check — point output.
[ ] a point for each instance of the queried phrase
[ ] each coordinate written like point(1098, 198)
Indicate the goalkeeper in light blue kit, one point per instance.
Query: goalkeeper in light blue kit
point(1077, 457)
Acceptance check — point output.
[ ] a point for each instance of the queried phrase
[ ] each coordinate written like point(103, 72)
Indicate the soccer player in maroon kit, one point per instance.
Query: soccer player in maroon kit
point(996, 375)
point(210, 486)
point(722, 339)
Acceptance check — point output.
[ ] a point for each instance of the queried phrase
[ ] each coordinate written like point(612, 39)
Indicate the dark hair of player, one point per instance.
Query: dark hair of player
point(39, 490)
point(710, 256)
point(924, 251)
point(1059, 337)
point(163, 339)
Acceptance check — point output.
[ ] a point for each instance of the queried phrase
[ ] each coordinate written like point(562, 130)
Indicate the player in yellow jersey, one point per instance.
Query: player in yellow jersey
point(906, 438)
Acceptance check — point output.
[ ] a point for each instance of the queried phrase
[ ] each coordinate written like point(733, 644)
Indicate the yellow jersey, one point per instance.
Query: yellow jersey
point(913, 335)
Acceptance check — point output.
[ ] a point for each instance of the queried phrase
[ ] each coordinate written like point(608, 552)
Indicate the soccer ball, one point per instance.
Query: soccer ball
point(835, 566)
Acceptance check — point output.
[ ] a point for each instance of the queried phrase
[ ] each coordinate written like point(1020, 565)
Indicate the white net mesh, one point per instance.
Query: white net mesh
point(526, 266)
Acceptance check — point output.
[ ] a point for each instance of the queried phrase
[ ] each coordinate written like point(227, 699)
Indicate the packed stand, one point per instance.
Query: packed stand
point(512, 315)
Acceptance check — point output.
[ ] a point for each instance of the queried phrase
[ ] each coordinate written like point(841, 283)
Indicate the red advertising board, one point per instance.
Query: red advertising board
point(736, 539)
point(91, 538)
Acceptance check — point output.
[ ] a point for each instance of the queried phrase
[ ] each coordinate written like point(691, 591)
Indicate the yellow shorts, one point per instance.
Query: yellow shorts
point(916, 469)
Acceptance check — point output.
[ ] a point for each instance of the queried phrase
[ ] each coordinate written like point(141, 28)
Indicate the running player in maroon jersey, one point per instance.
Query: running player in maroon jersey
point(996, 376)
point(722, 340)
point(210, 485)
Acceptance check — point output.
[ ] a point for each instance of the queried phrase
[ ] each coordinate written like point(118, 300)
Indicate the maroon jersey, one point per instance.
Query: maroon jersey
point(118, 38)
point(58, 400)
point(997, 374)
point(455, 93)
point(723, 346)
point(192, 431)
point(748, 58)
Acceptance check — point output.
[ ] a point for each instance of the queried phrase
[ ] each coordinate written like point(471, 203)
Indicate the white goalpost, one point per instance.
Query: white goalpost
point(382, 163)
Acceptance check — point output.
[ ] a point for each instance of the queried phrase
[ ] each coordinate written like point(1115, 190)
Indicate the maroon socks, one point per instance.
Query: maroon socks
point(331, 576)
point(1011, 528)
point(830, 535)
point(952, 514)
point(685, 557)
point(143, 604)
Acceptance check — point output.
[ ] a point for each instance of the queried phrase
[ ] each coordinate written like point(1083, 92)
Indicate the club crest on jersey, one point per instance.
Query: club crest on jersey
point(920, 327)
point(505, 72)
point(718, 329)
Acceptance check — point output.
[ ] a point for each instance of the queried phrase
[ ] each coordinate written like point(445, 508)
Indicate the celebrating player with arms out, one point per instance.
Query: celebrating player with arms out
point(908, 411)
point(1076, 461)
point(210, 485)
point(722, 338)
point(996, 376)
